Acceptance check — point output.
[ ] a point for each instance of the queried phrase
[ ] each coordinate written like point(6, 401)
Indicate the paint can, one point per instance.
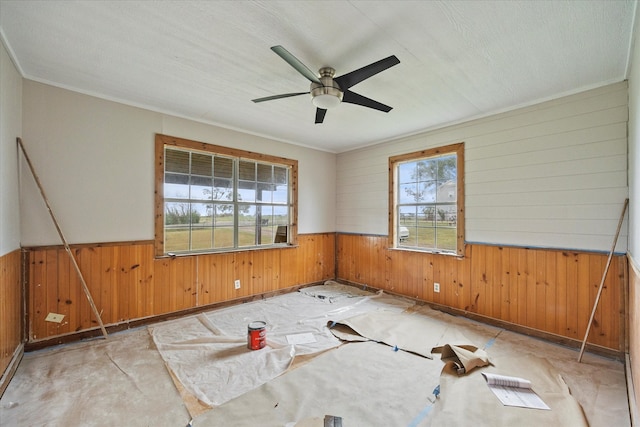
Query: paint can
point(257, 335)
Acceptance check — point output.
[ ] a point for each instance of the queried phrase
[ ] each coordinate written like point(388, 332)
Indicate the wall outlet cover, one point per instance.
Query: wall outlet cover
point(54, 317)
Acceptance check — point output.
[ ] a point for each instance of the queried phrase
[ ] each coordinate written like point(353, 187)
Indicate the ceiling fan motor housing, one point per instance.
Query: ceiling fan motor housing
point(327, 94)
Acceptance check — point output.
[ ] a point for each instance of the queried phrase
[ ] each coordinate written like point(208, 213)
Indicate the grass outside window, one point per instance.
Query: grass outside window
point(211, 198)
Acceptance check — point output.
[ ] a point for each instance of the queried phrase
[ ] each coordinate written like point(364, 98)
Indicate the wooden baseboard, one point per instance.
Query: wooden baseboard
point(11, 368)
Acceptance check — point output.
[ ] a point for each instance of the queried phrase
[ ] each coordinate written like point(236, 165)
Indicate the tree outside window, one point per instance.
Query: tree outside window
point(427, 200)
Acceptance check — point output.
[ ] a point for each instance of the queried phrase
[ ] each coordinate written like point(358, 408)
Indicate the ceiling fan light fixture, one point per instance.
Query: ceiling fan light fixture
point(326, 101)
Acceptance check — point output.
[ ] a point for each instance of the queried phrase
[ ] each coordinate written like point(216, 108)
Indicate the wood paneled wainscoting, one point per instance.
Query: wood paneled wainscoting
point(633, 360)
point(543, 292)
point(127, 282)
point(11, 315)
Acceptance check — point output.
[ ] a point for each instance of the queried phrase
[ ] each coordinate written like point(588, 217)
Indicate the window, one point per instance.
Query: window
point(427, 200)
point(211, 198)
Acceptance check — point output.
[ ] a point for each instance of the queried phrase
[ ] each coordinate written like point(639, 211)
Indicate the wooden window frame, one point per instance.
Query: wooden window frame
point(457, 149)
point(162, 141)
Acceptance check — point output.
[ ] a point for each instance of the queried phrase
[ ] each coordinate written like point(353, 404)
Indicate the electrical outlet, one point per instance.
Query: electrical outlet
point(436, 287)
point(236, 284)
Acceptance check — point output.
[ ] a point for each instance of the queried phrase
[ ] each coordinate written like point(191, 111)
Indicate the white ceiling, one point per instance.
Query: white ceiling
point(207, 60)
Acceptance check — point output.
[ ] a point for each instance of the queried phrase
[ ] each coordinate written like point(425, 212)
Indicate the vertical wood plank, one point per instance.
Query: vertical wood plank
point(494, 278)
point(132, 269)
point(11, 316)
point(350, 250)
point(288, 267)
point(340, 254)
point(37, 292)
point(205, 295)
point(311, 254)
point(505, 283)
point(530, 303)
point(429, 277)
point(226, 279)
point(258, 270)
point(461, 295)
point(124, 287)
point(514, 284)
point(409, 283)
point(147, 279)
point(397, 271)
point(572, 286)
point(162, 293)
point(540, 280)
point(107, 285)
point(464, 279)
point(597, 332)
point(478, 280)
point(114, 278)
point(94, 283)
point(242, 265)
point(68, 299)
point(621, 303)
point(356, 248)
point(521, 318)
point(51, 280)
point(490, 283)
point(377, 279)
point(583, 285)
point(449, 285)
point(180, 277)
point(215, 277)
point(275, 270)
point(562, 326)
point(551, 303)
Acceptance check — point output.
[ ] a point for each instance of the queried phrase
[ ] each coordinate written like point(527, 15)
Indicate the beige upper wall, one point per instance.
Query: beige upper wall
point(10, 129)
point(634, 152)
point(552, 175)
point(95, 160)
point(549, 175)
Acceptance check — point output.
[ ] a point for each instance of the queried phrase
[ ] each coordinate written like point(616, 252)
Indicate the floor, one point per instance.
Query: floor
point(126, 380)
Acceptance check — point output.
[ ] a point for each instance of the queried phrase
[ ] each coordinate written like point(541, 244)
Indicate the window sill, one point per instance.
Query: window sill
point(428, 252)
point(226, 251)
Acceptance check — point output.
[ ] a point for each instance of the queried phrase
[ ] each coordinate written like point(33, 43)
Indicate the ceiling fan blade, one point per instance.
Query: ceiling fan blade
point(320, 113)
point(353, 78)
point(354, 98)
point(296, 63)
point(284, 95)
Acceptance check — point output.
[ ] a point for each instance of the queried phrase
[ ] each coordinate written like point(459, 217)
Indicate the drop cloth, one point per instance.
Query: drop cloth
point(409, 331)
point(365, 383)
point(208, 352)
point(467, 400)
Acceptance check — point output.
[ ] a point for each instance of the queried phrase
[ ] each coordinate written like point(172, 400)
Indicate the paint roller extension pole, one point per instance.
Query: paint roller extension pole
point(85, 288)
point(604, 275)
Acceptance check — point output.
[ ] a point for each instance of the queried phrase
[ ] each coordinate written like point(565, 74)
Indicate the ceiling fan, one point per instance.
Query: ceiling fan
point(327, 91)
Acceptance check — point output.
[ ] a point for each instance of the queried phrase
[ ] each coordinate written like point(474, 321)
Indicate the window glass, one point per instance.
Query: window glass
point(221, 199)
point(425, 203)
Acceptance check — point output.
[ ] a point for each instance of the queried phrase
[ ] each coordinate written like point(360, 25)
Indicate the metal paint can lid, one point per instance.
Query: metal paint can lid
point(257, 325)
